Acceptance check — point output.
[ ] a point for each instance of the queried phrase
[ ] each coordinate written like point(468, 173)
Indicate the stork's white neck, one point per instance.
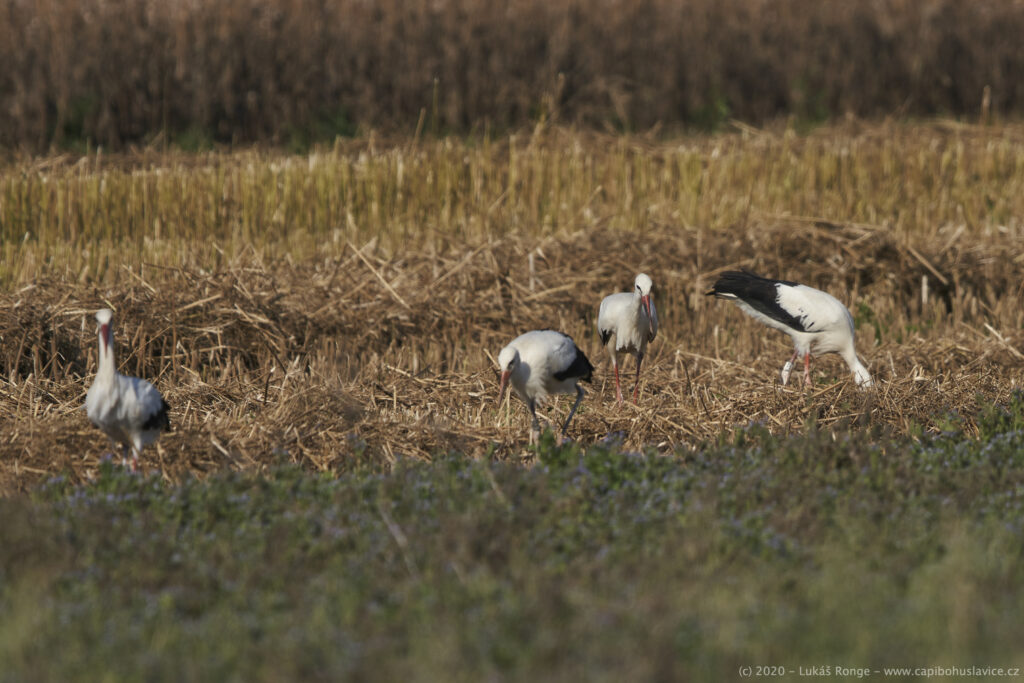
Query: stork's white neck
point(860, 373)
point(107, 365)
point(636, 306)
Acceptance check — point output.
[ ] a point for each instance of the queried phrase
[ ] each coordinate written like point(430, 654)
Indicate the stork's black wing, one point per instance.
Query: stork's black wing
point(580, 368)
point(760, 293)
point(160, 419)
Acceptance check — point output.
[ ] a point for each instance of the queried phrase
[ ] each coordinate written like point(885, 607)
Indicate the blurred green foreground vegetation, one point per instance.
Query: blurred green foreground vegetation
point(838, 548)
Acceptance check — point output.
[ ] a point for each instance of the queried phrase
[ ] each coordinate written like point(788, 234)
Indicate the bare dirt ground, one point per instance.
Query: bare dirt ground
point(363, 359)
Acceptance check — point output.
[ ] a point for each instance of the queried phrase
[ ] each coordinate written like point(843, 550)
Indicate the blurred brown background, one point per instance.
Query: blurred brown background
point(292, 72)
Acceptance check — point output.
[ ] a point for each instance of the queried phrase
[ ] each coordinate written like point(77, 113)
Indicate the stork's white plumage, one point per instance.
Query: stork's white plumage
point(540, 363)
point(627, 322)
point(129, 410)
point(816, 320)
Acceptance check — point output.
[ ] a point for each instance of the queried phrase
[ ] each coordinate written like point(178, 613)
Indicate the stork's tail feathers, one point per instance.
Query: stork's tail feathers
point(589, 377)
point(579, 368)
point(160, 419)
point(583, 369)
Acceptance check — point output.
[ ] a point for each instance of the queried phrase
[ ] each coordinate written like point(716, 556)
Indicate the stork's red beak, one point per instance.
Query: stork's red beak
point(504, 381)
point(105, 334)
point(646, 301)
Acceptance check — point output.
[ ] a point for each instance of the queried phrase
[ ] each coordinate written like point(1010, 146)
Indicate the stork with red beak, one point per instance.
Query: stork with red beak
point(627, 322)
point(129, 410)
point(540, 363)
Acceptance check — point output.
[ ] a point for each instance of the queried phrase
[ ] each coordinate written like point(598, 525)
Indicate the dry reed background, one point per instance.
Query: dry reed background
point(314, 323)
point(128, 71)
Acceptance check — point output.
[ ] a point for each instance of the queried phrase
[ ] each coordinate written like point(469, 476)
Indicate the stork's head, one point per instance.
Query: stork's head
point(642, 286)
point(861, 375)
point(508, 359)
point(103, 318)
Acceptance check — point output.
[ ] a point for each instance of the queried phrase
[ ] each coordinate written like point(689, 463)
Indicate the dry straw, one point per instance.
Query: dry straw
point(298, 347)
point(317, 363)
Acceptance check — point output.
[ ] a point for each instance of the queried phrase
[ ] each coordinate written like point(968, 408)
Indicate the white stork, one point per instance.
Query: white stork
point(627, 322)
point(540, 363)
point(816, 321)
point(129, 410)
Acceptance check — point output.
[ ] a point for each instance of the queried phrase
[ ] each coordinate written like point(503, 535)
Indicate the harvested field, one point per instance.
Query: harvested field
point(314, 337)
point(339, 361)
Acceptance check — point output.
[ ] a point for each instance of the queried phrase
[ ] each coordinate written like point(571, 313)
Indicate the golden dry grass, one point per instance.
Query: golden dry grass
point(334, 343)
point(81, 217)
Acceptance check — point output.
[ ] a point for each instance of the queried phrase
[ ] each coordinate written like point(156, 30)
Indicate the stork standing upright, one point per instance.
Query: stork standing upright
point(540, 363)
point(129, 410)
point(816, 320)
point(627, 322)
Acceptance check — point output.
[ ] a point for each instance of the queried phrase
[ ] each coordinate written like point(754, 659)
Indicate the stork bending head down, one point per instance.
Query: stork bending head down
point(540, 363)
point(627, 322)
point(817, 321)
point(129, 410)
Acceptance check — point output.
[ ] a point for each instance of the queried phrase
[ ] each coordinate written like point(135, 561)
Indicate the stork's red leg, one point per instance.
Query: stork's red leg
point(788, 367)
point(534, 424)
point(618, 389)
point(636, 387)
point(579, 397)
point(807, 369)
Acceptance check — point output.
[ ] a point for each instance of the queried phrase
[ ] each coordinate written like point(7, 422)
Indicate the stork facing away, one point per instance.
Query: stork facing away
point(540, 363)
point(129, 410)
point(817, 321)
point(627, 322)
